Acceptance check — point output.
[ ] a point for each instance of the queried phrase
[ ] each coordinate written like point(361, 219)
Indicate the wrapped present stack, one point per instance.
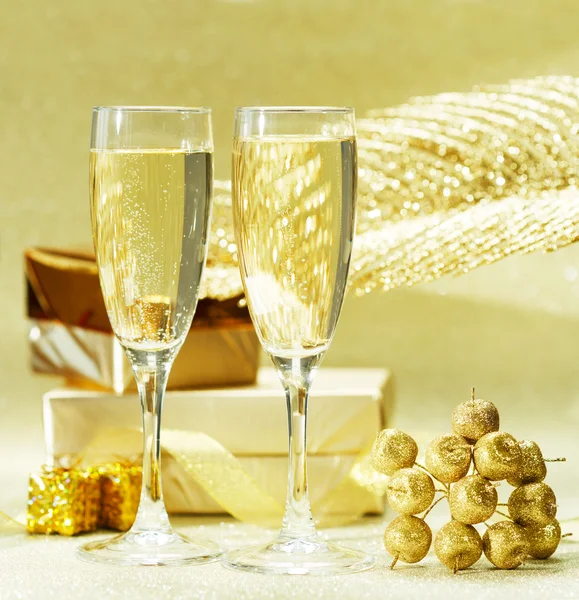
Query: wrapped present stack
point(224, 419)
point(71, 335)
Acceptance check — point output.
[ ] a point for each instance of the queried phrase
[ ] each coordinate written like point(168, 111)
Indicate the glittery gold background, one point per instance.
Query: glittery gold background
point(511, 329)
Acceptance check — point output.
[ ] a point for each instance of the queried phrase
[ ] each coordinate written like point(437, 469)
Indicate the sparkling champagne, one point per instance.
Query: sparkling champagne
point(150, 213)
point(294, 206)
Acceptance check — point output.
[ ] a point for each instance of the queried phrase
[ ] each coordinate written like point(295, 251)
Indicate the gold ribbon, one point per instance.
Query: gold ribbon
point(8, 523)
point(222, 476)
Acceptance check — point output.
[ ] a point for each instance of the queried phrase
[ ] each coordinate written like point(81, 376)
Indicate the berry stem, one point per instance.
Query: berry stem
point(555, 459)
point(566, 535)
point(472, 394)
point(498, 512)
point(432, 506)
point(394, 561)
point(433, 477)
point(423, 468)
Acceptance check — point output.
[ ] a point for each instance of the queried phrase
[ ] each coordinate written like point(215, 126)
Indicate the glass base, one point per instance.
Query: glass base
point(299, 557)
point(150, 548)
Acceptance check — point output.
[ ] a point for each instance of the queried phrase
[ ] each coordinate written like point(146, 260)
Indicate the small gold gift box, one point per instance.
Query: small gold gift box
point(121, 492)
point(79, 500)
point(71, 334)
point(64, 501)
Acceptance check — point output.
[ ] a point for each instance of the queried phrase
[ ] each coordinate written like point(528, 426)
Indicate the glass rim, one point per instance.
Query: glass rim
point(295, 109)
point(200, 110)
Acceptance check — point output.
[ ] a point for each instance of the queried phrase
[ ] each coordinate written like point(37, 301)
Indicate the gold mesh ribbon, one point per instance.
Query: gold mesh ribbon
point(448, 183)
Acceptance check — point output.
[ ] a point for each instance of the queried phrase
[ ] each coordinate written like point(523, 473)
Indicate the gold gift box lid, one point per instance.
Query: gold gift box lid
point(347, 407)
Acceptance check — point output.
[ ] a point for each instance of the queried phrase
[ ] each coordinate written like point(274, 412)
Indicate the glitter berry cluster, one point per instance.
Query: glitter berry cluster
point(465, 468)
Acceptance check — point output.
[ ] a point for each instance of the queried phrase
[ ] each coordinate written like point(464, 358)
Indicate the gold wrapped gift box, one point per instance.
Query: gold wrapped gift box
point(76, 500)
point(64, 501)
point(71, 335)
point(248, 426)
point(120, 495)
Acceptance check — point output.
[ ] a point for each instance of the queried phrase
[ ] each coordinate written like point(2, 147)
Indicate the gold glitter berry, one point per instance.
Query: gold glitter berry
point(458, 546)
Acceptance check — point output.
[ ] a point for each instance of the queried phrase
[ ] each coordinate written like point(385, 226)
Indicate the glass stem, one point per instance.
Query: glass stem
point(296, 375)
point(151, 371)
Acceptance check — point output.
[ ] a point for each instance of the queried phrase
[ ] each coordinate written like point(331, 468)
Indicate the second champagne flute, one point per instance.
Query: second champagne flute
point(151, 186)
point(294, 199)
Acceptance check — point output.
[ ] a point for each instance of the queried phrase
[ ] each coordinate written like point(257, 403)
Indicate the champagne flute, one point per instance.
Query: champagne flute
point(150, 186)
point(294, 198)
